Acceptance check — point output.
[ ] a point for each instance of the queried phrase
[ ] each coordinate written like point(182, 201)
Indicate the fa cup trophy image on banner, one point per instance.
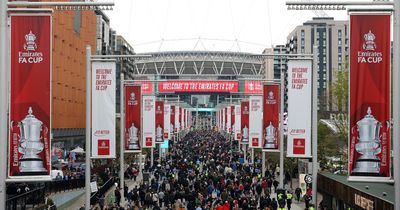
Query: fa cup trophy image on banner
point(31, 132)
point(368, 146)
point(133, 137)
point(269, 136)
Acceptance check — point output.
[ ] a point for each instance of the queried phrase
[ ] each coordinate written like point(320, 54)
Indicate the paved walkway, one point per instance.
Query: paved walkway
point(69, 200)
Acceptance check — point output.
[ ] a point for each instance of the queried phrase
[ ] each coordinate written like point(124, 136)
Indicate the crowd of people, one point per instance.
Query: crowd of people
point(202, 172)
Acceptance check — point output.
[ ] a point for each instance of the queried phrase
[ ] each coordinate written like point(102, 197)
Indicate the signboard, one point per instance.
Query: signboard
point(177, 120)
point(255, 121)
point(299, 108)
point(103, 109)
point(253, 87)
point(271, 102)
point(30, 97)
point(159, 121)
point(214, 86)
point(172, 120)
point(228, 119)
point(369, 111)
point(167, 120)
point(133, 114)
point(149, 121)
point(244, 127)
point(147, 86)
point(238, 125)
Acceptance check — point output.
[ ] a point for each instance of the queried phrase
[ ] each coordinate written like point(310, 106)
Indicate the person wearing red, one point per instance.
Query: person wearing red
point(226, 206)
point(264, 186)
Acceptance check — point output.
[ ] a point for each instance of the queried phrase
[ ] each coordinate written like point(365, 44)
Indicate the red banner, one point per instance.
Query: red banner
point(271, 94)
point(30, 96)
point(220, 86)
point(159, 121)
point(244, 121)
point(147, 86)
point(232, 118)
point(369, 146)
point(253, 87)
point(133, 104)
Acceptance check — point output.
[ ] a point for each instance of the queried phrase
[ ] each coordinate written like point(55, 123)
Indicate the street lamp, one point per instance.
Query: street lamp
point(4, 70)
point(395, 6)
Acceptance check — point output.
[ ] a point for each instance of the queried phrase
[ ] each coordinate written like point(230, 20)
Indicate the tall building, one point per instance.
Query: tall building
point(331, 37)
point(280, 65)
point(72, 32)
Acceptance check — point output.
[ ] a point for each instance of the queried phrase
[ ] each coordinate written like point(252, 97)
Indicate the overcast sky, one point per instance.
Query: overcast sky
point(255, 24)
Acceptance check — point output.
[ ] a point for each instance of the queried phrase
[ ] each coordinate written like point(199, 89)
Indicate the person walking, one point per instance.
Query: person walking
point(289, 197)
point(298, 193)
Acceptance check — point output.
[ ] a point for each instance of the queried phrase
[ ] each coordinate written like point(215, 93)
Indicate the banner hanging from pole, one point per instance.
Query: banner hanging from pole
point(149, 121)
point(271, 103)
point(369, 111)
point(228, 119)
point(133, 110)
point(167, 120)
point(255, 122)
point(172, 120)
point(238, 125)
point(177, 119)
point(244, 119)
point(299, 108)
point(30, 97)
point(159, 122)
point(103, 109)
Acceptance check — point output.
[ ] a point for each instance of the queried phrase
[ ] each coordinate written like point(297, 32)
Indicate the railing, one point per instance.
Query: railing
point(26, 200)
point(64, 185)
point(94, 198)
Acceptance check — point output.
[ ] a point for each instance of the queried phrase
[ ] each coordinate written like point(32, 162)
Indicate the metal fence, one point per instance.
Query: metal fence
point(26, 200)
point(94, 198)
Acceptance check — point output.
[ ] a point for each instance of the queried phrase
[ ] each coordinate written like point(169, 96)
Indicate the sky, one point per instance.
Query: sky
point(217, 25)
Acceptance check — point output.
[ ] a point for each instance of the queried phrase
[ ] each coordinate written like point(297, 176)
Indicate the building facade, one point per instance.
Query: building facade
point(331, 38)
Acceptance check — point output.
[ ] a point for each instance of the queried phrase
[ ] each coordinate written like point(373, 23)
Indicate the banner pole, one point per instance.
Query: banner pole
point(314, 123)
point(3, 101)
point(122, 139)
point(263, 164)
point(281, 140)
point(88, 119)
point(396, 104)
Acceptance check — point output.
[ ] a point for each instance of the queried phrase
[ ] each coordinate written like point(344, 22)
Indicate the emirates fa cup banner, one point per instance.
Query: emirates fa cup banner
point(369, 111)
point(255, 122)
point(167, 120)
point(177, 119)
point(159, 122)
point(244, 119)
point(133, 125)
point(30, 97)
point(172, 120)
point(149, 121)
point(299, 110)
point(232, 118)
point(271, 96)
point(238, 125)
point(103, 110)
point(228, 119)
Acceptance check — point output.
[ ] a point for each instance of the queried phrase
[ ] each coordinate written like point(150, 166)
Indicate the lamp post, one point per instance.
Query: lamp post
point(395, 6)
point(4, 68)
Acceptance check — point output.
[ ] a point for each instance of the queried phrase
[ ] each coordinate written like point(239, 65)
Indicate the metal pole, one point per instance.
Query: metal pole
point(252, 156)
point(281, 138)
point(152, 157)
point(88, 128)
point(245, 153)
point(3, 101)
point(121, 137)
point(396, 104)
point(314, 126)
point(263, 164)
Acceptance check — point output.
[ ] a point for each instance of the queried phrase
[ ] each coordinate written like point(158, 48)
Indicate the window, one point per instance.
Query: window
point(302, 42)
point(324, 35)
point(339, 58)
point(324, 43)
point(339, 42)
point(339, 34)
point(302, 33)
